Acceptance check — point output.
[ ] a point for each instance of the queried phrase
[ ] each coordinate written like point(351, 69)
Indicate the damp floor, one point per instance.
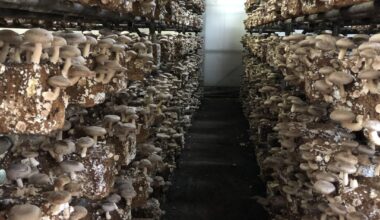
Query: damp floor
point(217, 176)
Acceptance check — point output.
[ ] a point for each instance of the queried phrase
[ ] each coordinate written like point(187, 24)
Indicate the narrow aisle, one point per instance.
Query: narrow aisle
point(217, 176)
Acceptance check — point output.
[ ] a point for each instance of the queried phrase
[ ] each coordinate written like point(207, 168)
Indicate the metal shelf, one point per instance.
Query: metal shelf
point(364, 14)
point(61, 13)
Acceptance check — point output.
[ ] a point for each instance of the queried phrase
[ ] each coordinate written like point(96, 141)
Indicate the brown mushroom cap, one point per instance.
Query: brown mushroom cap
point(80, 71)
point(58, 41)
point(322, 86)
point(326, 70)
point(8, 36)
point(74, 38)
point(79, 213)
point(294, 37)
point(38, 35)
point(69, 51)
point(40, 179)
point(18, 171)
point(59, 82)
point(369, 74)
point(338, 208)
point(342, 115)
point(326, 177)
point(340, 78)
point(369, 45)
point(85, 142)
point(324, 187)
point(345, 43)
point(91, 40)
point(58, 197)
point(95, 131)
point(356, 216)
point(25, 212)
point(71, 166)
point(346, 157)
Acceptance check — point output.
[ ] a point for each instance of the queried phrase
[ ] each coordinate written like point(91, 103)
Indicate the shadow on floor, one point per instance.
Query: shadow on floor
point(217, 175)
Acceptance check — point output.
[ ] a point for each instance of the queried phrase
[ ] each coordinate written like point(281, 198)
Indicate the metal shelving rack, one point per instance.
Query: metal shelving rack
point(343, 20)
point(62, 13)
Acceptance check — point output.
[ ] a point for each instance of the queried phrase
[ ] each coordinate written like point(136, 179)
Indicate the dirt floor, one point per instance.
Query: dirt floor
point(217, 176)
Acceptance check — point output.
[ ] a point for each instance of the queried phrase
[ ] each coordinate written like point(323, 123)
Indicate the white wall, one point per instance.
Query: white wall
point(223, 31)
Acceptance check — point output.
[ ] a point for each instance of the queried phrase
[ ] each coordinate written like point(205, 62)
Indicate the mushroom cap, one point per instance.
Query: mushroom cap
point(78, 213)
point(346, 157)
point(39, 179)
point(345, 43)
point(5, 144)
point(124, 39)
point(80, 71)
point(112, 118)
point(18, 171)
point(325, 45)
point(115, 198)
point(340, 78)
point(74, 38)
point(109, 206)
point(106, 43)
point(91, 40)
point(345, 167)
point(307, 42)
point(64, 147)
point(338, 208)
point(29, 154)
point(118, 48)
point(373, 125)
point(59, 82)
point(114, 65)
point(25, 212)
point(369, 45)
point(58, 197)
point(326, 70)
point(85, 142)
point(369, 74)
point(359, 38)
point(9, 36)
point(329, 177)
point(374, 38)
point(38, 35)
point(139, 46)
point(322, 86)
point(73, 187)
point(71, 166)
point(95, 131)
point(342, 115)
point(368, 53)
point(294, 37)
point(69, 51)
point(356, 216)
point(324, 187)
point(58, 42)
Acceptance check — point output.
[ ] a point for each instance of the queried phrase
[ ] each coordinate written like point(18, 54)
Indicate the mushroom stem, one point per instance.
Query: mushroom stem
point(354, 126)
point(342, 53)
point(108, 216)
point(323, 216)
point(342, 92)
point(100, 78)
point(52, 95)
point(74, 80)
point(66, 67)
point(354, 184)
point(73, 176)
point(37, 53)
point(20, 183)
point(55, 57)
point(368, 63)
point(109, 77)
point(372, 87)
point(4, 52)
point(66, 211)
point(59, 135)
point(17, 55)
point(84, 152)
point(86, 50)
point(374, 137)
point(34, 162)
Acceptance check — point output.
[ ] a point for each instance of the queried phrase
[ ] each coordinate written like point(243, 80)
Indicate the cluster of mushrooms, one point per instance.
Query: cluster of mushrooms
point(92, 123)
point(178, 12)
point(267, 11)
point(313, 103)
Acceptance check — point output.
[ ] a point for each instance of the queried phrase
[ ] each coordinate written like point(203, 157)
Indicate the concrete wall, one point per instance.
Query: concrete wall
point(223, 30)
